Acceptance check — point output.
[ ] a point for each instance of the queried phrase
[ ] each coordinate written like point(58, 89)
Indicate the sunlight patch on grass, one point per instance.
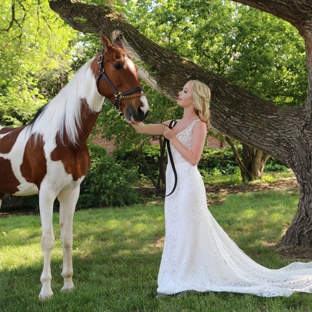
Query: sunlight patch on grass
point(26, 256)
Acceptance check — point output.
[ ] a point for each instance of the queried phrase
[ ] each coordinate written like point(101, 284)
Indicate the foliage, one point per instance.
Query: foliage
point(107, 183)
point(133, 157)
point(35, 47)
point(117, 251)
point(212, 162)
point(253, 49)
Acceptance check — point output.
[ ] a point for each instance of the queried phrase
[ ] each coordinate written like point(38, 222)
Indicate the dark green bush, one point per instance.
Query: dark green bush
point(131, 157)
point(221, 160)
point(274, 167)
point(108, 182)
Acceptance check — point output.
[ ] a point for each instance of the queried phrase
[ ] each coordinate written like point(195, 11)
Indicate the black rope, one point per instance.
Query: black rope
point(161, 159)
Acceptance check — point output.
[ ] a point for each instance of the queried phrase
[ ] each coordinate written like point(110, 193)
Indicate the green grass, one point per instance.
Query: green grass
point(236, 178)
point(117, 252)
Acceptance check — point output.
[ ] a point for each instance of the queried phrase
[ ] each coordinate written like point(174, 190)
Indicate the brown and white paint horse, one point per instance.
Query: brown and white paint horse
point(49, 156)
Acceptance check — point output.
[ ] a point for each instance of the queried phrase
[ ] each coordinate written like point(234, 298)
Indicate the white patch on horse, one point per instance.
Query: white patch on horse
point(57, 178)
point(145, 107)
point(130, 64)
point(15, 156)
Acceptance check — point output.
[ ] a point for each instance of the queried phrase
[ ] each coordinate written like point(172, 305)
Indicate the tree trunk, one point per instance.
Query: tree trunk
point(283, 133)
point(254, 159)
point(251, 163)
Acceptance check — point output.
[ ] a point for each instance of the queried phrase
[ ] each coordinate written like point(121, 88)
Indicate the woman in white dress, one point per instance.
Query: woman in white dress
point(198, 255)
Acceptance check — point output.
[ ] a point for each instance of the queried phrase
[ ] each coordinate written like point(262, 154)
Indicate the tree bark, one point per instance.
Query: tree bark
point(251, 163)
point(284, 133)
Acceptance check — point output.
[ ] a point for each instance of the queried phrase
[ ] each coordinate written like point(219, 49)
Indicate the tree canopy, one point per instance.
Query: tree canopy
point(34, 45)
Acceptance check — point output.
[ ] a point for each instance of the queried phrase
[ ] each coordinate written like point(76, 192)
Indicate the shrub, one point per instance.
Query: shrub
point(108, 182)
point(132, 158)
point(221, 159)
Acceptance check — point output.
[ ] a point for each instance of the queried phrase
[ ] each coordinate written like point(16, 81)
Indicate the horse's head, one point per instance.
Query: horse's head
point(118, 81)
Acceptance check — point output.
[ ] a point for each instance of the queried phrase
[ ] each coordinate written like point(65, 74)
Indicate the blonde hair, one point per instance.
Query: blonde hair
point(201, 96)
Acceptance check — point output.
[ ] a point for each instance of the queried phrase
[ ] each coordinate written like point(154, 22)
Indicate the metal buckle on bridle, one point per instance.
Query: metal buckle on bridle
point(118, 95)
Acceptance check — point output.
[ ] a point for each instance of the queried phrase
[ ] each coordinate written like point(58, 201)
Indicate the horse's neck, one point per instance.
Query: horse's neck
point(73, 112)
point(88, 120)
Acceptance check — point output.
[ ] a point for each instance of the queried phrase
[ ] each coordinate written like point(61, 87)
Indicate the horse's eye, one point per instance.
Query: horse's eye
point(118, 66)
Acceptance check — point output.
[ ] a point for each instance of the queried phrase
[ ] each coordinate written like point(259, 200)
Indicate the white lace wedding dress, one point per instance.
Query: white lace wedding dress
point(198, 255)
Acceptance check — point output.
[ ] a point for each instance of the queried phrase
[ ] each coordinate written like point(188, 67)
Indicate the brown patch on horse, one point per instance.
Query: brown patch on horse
point(8, 141)
point(8, 182)
point(76, 158)
point(5, 130)
point(34, 169)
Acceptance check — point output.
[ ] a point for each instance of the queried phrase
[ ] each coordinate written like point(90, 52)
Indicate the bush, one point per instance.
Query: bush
point(131, 158)
point(108, 182)
point(221, 159)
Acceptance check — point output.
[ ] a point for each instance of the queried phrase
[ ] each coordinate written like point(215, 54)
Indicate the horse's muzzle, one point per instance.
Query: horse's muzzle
point(139, 113)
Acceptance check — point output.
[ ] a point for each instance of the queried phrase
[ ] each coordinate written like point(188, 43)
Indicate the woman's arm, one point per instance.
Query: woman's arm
point(198, 142)
point(151, 129)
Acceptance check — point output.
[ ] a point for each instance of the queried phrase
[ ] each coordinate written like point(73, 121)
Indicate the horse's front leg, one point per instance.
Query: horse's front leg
point(46, 200)
point(68, 199)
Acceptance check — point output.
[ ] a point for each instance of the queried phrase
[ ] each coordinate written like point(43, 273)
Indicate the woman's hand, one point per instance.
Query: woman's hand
point(168, 133)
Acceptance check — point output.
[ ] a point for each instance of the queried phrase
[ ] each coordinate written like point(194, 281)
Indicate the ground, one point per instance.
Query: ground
point(215, 192)
point(215, 195)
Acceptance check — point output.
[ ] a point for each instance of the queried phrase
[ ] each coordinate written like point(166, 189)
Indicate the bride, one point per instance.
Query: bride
point(198, 255)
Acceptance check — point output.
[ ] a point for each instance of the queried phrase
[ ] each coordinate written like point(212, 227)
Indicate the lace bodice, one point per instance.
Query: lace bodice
point(185, 137)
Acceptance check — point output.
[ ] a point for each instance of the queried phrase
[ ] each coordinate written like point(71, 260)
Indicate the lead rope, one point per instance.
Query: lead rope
point(162, 153)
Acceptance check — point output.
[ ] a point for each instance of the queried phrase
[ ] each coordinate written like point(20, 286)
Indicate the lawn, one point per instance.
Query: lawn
point(117, 252)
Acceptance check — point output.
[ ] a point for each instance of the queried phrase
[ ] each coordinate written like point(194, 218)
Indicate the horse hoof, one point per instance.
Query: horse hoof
point(67, 288)
point(45, 297)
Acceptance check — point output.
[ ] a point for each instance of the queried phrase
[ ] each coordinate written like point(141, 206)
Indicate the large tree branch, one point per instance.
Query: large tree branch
point(295, 12)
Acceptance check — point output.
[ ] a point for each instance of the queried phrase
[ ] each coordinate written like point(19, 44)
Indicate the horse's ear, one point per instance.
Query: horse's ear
point(118, 43)
point(105, 41)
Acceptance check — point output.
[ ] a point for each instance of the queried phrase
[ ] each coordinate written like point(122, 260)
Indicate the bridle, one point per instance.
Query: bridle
point(118, 95)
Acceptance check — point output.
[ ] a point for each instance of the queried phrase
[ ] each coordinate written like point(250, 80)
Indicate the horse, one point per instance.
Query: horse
point(49, 156)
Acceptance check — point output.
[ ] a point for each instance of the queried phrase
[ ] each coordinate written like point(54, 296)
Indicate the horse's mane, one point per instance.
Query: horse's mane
point(63, 112)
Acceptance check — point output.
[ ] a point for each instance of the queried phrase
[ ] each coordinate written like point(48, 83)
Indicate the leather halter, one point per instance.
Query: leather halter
point(118, 95)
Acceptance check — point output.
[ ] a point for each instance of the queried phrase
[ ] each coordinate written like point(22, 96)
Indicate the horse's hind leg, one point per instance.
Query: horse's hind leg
point(68, 198)
point(46, 200)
